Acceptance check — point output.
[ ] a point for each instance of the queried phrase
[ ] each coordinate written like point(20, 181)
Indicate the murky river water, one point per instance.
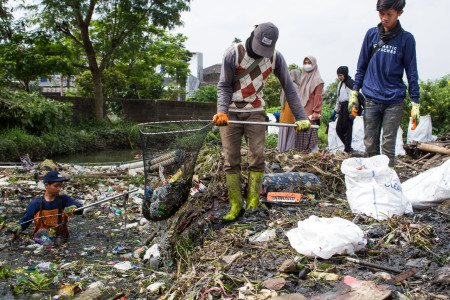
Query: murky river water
point(99, 156)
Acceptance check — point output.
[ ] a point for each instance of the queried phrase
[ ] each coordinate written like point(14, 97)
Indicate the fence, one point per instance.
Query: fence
point(144, 110)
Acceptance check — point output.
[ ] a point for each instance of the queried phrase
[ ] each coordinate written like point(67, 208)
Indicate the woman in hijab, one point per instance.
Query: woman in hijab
point(310, 92)
point(286, 135)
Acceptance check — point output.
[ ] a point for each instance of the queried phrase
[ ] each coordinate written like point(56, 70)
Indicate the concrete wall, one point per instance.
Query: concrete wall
point(139, 110)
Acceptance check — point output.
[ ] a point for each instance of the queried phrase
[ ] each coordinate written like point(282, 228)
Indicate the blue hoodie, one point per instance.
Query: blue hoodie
point(381, 77)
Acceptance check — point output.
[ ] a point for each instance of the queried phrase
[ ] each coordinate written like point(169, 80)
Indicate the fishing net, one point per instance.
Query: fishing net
point(169, 151)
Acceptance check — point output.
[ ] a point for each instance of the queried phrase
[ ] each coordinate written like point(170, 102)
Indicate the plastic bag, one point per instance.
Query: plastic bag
point(423, 131)
point(335, 143)
point(373, 188)
point(324, 237)
point(430, 187)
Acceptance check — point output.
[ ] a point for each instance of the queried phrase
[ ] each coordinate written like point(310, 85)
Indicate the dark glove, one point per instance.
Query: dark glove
point(68, 211)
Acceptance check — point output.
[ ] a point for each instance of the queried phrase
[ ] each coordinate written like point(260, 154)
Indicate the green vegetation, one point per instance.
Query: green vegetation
point(205, 94)
point(31, 124)
point(32, 112)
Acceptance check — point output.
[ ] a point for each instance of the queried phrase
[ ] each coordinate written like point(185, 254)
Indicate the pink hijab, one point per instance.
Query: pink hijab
point(309, 81)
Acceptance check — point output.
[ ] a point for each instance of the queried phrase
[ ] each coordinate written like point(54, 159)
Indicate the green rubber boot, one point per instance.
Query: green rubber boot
point(234, 193)
point(255, 180)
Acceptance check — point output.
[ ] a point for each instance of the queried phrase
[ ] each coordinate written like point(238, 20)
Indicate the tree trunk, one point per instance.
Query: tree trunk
point(98, 94)
point(95, 70)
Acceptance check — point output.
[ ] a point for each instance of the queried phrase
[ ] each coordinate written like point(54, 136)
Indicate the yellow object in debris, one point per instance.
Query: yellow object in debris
point(176, 176)
point(69, 290)
point(323, 275)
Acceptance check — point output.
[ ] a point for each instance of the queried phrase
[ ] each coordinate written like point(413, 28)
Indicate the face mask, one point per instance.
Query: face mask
point(308, 68)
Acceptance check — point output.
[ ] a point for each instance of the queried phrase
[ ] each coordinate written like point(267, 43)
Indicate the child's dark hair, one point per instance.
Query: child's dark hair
point(398, 5)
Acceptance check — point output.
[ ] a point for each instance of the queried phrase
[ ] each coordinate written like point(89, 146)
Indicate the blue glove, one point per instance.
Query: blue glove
point(333, 116)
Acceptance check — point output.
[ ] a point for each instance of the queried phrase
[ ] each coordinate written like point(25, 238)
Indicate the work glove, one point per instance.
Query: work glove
point(333, 116)
point(17, 230)
point(415, 115)
point(220, 119)
point(303, 125)
point(68, 211)
point(353, 103)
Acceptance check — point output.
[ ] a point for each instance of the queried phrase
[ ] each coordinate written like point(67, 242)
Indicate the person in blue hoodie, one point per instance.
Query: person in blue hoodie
point(387, 52)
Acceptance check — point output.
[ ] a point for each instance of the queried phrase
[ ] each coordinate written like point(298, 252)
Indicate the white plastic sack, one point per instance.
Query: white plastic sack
point(324, 237)
point(430, 187)
point(272, 129)
point(335, 143)
point(423, 131)
point(373, 188)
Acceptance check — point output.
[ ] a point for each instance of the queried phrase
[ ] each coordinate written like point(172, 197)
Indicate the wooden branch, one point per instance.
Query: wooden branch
point(408, 165)
point(423, 157)
point(433, 148)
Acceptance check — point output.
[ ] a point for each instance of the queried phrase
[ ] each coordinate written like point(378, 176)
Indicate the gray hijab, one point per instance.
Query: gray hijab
point(296, 77)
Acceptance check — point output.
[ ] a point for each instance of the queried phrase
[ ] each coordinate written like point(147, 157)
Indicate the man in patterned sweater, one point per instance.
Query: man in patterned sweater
point(245, 69)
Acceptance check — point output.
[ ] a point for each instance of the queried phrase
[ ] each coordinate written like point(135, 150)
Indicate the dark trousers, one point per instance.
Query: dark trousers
point(381, 116)
point(344, 127)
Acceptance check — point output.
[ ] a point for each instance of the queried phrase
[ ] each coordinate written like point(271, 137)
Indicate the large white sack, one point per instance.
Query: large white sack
point(373, 188)
point(335, 143)
point(430, 187)
point(324, 237)
point(423, 131)
point(272, 129)
point(358, 134)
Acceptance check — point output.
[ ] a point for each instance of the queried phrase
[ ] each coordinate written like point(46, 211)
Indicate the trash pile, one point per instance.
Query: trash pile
point(307, 241)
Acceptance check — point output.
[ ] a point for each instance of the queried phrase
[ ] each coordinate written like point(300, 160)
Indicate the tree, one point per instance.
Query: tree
point(330, 94)
point(146, 63)
point(205, 94)
point(27, 55)
point(272, 91)
point(101, 27)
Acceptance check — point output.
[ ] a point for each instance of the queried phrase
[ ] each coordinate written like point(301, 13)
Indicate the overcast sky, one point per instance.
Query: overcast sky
point(330, 30)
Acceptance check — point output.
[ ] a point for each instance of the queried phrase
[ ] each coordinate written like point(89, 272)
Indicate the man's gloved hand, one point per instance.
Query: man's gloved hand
point(415, 114)
point(220, 119)
point(17, 230)
point(68, 211)
point(303, 125)
point(353, 101)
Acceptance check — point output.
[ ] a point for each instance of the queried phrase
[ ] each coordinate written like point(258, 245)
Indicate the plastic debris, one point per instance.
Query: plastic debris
point(325, 237)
